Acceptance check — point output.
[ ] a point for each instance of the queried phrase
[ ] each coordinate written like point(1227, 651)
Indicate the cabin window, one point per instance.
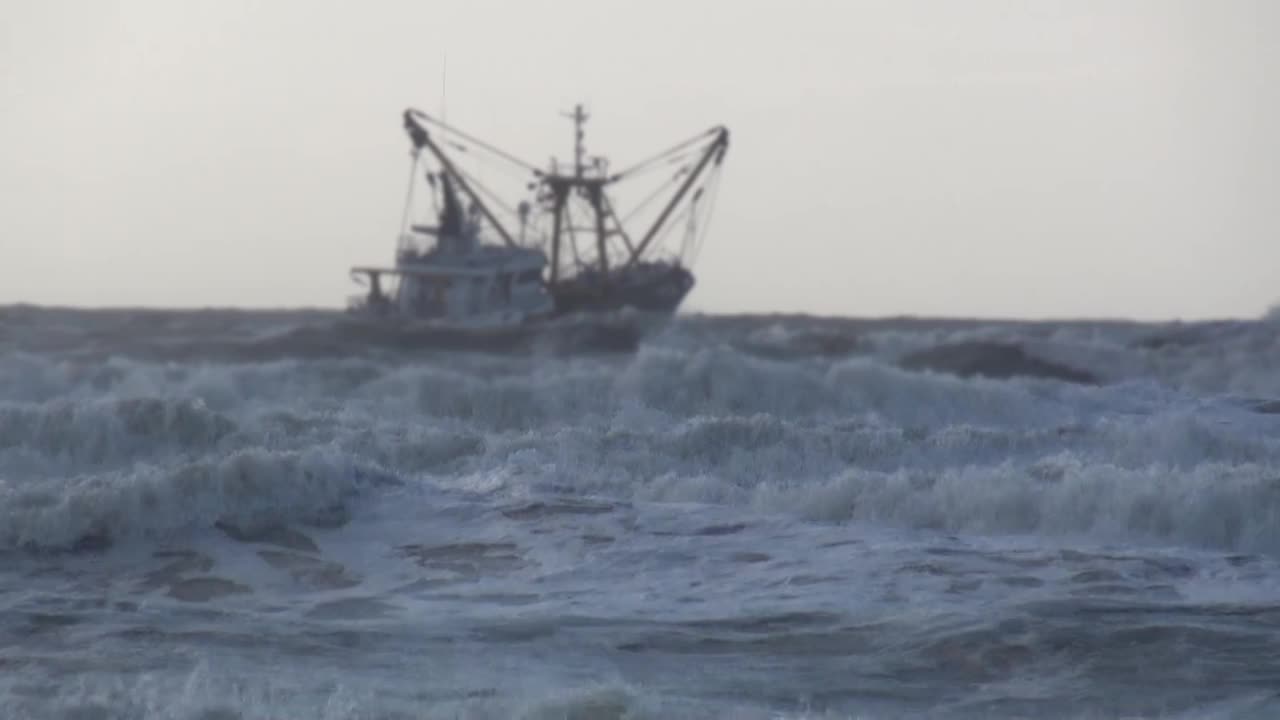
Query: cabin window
point(530, 276)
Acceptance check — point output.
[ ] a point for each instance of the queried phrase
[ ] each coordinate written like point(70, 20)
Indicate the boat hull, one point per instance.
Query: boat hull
point(649, 288)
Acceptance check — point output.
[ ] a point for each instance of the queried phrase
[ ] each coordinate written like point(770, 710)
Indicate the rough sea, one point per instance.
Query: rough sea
point(224, 515)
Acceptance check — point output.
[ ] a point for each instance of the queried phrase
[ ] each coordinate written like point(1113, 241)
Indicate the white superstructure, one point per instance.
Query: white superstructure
point(447, 276)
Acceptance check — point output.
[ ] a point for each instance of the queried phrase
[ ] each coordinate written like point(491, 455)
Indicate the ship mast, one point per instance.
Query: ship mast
point(579, 117)
point(590, 186)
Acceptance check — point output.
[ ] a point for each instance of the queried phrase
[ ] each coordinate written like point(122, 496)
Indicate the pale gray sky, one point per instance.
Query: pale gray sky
point(995, 158)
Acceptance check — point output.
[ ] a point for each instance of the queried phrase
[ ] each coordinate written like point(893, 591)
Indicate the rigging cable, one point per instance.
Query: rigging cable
point(672, 222)
point(488, 162)
point(711, 192)
point(408, 196)
point(621, 231)
point(655, 194)
point(480, 187)
point(478, 142)
point(654, 158)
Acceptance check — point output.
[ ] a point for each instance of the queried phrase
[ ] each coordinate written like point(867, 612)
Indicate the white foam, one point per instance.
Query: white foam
point(683, 419)
point(247, 488)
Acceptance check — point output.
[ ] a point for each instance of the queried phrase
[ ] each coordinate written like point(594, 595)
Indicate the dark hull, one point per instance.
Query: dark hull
point(647, 287)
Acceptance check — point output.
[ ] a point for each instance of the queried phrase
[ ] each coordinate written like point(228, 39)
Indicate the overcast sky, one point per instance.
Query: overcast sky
point(991, 158)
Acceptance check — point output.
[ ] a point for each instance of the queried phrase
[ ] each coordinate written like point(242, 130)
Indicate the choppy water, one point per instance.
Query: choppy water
point(203, 516)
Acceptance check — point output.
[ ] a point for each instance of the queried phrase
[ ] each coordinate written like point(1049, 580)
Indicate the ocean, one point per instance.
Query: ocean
point(217, 515)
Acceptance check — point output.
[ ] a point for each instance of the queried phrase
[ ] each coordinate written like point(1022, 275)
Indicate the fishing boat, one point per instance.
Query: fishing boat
point(469, 273)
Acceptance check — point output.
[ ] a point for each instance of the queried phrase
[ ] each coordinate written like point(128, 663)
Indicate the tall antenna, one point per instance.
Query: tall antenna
point(444, 85)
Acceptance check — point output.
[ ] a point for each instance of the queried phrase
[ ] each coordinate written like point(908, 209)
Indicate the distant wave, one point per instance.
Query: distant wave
point(119, 425)
point(993, 360)
point(247, 489)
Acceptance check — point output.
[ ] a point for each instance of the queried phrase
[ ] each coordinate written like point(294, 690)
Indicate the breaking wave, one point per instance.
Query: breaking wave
point(983, 429)
point(249, 490)
point(226, 514)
